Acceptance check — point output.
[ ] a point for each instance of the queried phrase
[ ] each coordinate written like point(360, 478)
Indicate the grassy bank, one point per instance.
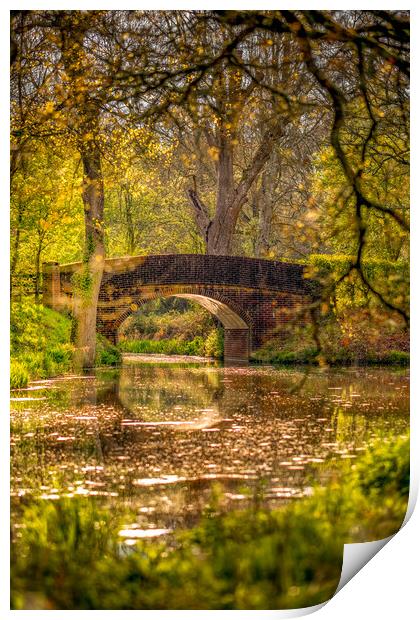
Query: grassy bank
point(67, 554)
point(40, 343)
point(41, 346)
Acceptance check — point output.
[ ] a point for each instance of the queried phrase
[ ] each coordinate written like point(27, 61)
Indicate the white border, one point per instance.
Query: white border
point(387, 587)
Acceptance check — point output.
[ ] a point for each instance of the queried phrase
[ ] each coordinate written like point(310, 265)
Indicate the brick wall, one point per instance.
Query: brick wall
point(236, 344)
point(51, 285)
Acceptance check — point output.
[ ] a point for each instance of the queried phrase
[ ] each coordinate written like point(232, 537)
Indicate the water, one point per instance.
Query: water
point(166, 438)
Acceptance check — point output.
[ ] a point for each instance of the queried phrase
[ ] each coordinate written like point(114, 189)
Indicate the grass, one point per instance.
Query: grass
point(170, 346)
point(41, 344)
point(212, 346)
point(19, 375)
point(67, 554)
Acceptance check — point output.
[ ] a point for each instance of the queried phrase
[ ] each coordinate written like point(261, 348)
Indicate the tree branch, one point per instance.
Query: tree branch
point(201, 213)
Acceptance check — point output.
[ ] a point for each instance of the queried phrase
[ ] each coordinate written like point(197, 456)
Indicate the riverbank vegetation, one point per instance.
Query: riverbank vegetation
point(279, 135)
point(352, 335)
point(172, 326)
point(352, 325)
point(212, 346)
point(41, 344)
point(77, 553)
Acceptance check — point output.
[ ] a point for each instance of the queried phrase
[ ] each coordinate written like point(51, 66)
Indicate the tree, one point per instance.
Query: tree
point(237, 97)
point(83, 103)
point(231, 96)
point(70, 100)
point(226, 125)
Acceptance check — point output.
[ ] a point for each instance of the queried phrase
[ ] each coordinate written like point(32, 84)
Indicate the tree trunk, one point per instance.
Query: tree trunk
point(265, 212)
point(16, 241)
point(222, 228)
point(86, 299)
point(38, 270)
point(218, 232)
point(130, 232)
point(84, 123)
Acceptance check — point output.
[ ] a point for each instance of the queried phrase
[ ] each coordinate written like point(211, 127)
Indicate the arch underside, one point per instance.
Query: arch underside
point(228, 318)
point(230, 314)
point(236, 329)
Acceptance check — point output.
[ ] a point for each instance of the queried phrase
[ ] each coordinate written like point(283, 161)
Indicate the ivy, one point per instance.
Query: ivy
point(82, 283)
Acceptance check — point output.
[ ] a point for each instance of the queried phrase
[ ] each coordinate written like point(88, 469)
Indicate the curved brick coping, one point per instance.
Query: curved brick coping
point(209, 270)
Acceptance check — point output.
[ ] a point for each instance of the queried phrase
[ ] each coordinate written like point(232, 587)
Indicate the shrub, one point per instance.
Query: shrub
point(107, 354)
point(270, 354)
point(214, 344)
point(390, 278)
point(60, 357)
point(385, 468)
point(401, 358)
point(169, 319)
point(195, 347)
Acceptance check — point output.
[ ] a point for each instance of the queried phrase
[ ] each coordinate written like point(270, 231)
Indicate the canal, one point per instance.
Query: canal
point(169, 439)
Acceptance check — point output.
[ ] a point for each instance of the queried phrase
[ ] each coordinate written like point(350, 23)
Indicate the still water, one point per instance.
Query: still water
point(166, 438)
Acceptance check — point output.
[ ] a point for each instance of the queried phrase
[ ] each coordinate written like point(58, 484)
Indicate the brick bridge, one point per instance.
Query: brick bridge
point(252, 298)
